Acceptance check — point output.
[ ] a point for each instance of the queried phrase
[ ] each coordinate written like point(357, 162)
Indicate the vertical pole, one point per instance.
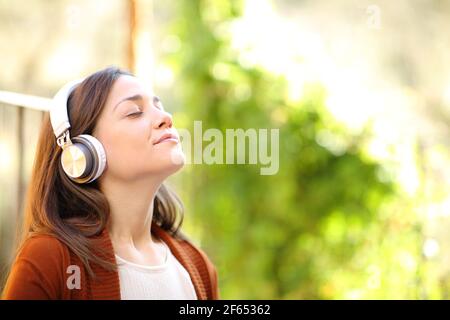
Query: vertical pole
point(132, 34)
point(20, 161)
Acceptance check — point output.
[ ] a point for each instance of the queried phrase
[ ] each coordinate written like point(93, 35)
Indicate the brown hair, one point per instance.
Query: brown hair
point(77, 213)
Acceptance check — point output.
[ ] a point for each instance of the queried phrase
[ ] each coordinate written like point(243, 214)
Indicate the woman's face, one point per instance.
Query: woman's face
point(130, 126)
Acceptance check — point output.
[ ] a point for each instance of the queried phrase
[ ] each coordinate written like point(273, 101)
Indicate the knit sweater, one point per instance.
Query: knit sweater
point(43, 268)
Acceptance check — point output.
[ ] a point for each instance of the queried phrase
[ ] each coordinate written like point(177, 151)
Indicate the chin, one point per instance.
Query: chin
point(173, 163)
point(169, 170)
point(177, 157)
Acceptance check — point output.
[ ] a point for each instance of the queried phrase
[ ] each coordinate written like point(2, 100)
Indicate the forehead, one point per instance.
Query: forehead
point(126, 86)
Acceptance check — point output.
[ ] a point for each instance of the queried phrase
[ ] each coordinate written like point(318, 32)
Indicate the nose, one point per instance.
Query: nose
point(164, 120)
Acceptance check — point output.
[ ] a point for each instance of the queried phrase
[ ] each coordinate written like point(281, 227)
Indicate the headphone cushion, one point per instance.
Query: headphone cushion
point(99, 154)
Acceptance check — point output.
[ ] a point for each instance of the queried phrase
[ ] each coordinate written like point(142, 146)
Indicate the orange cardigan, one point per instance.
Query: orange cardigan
point(40, 271)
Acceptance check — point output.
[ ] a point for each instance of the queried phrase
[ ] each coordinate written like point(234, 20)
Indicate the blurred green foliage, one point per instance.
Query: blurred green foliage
point(285, 235)
point(333, 222)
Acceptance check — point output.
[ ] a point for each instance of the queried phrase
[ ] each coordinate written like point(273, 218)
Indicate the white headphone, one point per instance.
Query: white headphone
point(83, 158)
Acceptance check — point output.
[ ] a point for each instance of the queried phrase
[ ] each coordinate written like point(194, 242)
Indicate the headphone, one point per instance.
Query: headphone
point(83, 158)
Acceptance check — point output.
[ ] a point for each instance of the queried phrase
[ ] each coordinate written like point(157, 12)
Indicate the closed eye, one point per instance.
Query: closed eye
point(135, 114)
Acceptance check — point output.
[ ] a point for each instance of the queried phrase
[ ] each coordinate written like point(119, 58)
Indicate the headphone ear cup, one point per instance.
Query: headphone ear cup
point(76, 161)
point(85, 160)
point(98, 155)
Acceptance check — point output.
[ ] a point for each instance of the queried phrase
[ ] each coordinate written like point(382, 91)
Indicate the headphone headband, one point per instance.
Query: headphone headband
point(83, 158)
point(58, 112)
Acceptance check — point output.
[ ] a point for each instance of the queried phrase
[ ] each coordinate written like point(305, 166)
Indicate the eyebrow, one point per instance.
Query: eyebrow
point(138, 97)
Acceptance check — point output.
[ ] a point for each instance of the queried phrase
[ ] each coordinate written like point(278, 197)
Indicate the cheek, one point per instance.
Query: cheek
point(128, 146)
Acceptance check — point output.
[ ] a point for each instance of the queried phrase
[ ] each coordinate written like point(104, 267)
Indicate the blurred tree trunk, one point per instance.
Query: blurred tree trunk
point(132, 35)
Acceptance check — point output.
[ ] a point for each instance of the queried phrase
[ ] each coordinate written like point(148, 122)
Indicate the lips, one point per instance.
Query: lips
point(167, 136)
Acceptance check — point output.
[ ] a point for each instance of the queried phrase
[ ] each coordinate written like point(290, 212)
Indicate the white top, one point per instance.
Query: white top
point(168, 281)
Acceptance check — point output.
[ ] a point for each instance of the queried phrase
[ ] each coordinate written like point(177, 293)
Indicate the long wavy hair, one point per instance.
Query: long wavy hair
point(77, 213)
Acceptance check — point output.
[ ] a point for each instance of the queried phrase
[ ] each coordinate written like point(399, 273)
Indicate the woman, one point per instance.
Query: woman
point(99, 222)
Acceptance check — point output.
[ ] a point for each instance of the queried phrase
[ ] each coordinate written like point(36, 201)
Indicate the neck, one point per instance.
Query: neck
point(131, 210)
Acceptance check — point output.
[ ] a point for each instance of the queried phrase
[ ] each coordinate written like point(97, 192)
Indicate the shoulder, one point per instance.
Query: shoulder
point(191, 244)
point(38, 247)
point(204, 263)
point(189, 252)
point(44, 252)
point(38, 271)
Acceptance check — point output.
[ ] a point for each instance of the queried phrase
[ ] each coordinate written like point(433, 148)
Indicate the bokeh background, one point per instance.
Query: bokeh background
point(360, 91)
